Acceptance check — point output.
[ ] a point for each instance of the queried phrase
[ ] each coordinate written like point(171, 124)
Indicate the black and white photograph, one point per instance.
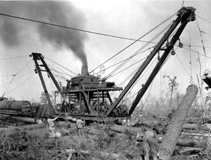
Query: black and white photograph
point(105, 80)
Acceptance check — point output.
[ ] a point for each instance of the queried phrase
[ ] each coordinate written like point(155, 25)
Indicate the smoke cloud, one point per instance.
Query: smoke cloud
point(56, 12)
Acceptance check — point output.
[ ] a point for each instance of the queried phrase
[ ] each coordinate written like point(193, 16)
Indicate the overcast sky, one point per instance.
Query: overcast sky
point(125, 18)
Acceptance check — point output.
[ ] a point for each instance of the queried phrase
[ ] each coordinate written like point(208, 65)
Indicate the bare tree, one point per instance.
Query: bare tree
point(173, 86)
point(43, 98)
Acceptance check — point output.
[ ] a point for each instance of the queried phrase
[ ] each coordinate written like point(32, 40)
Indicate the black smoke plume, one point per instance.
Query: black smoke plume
point(56, 12)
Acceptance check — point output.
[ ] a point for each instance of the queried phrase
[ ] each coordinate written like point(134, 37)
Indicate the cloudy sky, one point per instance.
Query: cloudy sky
point(126, 18)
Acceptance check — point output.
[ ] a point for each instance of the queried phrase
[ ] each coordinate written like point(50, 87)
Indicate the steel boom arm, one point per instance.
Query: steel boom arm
point(36, 57)
point(185, 15)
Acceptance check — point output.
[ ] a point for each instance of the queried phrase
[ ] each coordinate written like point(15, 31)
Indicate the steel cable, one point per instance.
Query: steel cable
point(134, 42)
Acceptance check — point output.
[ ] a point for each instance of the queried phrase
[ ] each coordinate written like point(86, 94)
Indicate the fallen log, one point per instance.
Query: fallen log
point(191, 126)
point(105, 155)
point(3, 117)
point(188, 150)
point(126, 129)
point(27, 127)
point(135, 130)
point(168, 145)
point(26, 119)
point(192, 142)
point(195, 119)
point(189, 141)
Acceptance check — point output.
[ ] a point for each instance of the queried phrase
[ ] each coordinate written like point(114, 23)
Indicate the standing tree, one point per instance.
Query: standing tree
point(43, 98)
point(173, 86)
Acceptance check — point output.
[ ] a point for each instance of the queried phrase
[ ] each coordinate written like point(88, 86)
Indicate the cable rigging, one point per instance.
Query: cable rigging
point(126, 59)
point(27, 19)
point(17, 78)
point(200, 33)
point(126, 62)
point(193, 45)
point(14, 75)
point(61, 66)
point(12, 58)
point(109, 75)
point(196, 52)
point(140, 76)
point(9, 85)
point(70, 28)
point(57, 74)
point(6, 75)
point(122, 71)
point(133, 42)
point(190, 62)
point(147, 95)
point(203, 19)
point(151, 63)
point(80, 30)
point(24, 67)
point(129, 66)
point(190, 48)
point(130, 75)
point(61, 72)
point(183, 65)
point(127, 78)
point(20, 84)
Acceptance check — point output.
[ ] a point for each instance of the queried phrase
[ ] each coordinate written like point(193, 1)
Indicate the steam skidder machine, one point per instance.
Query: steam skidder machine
point(88, 97)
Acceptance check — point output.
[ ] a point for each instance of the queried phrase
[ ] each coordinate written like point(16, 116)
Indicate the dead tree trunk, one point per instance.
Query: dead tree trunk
point(174, 129)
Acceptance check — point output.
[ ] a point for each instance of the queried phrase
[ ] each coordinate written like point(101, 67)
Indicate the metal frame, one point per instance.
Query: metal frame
point(185, 15)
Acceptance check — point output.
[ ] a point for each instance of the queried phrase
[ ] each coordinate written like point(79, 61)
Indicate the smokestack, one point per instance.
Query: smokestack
point(84, 70)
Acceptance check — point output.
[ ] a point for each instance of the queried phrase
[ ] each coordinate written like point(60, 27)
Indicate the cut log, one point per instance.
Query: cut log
point(175, 127)
point(126, 129)
point(106, 155)
point(192, 142)
point(3, 116)
point(28, 127)
point(191, 126)
point(26, 119)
